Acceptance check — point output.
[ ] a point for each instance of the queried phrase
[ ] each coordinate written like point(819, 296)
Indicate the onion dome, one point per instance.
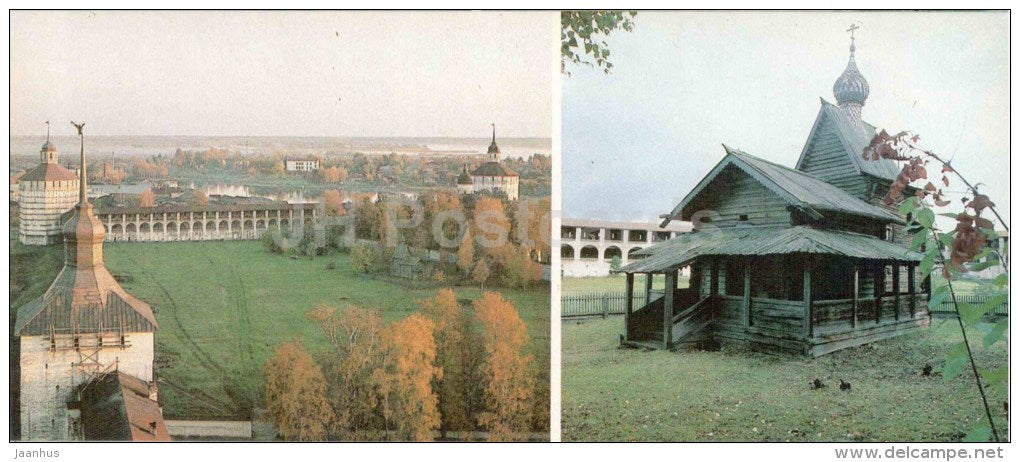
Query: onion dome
point(464, 178)
point(851, 89)
point(48, 147)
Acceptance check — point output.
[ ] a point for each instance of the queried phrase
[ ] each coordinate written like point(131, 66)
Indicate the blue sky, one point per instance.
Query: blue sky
point(637, 140)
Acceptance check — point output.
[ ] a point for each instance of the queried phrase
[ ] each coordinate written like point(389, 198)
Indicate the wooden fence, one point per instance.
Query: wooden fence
point(597, 304)
point(613, 303)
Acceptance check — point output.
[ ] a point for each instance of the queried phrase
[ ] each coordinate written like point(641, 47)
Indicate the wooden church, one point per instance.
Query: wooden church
point(805, 260)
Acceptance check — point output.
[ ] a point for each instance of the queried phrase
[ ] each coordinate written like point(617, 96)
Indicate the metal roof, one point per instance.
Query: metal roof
point(49, 172)
point(492, 168)
point(760, 241)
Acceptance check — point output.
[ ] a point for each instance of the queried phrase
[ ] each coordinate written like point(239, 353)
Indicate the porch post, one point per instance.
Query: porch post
point(896, 290)
point(911, 289)
point(808, 315)
point(747, 292)
point(857, 294)
point(648, 287)
point(629, 306)
point(667, 309)
point(879, 271)
point(714, 283)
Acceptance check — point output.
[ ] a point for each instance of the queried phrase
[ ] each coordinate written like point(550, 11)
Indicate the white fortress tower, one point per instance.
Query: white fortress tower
point(45, 192)
point(84, 327)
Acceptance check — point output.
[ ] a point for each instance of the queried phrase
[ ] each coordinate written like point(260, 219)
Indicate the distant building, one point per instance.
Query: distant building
point(301, 164)
point(86, 347)
point(491, 176)
point(44, 193)
point(588, 247)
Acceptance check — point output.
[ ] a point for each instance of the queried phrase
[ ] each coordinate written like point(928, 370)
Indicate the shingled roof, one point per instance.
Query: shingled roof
point(800, 190)
point(854, 135)
point(116, 407)
point(759, 241)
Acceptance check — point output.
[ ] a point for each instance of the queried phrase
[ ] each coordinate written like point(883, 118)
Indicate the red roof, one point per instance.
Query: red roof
point(49, 172)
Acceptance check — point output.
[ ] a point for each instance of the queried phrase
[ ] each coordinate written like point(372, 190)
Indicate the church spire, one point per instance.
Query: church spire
point(493, 148)
point(48, 153)
point(82, 191)
point(851, 89)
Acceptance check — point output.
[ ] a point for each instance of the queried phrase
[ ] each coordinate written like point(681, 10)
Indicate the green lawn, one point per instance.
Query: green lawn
point(614, 283)
point(224, 306)
point(736, 395)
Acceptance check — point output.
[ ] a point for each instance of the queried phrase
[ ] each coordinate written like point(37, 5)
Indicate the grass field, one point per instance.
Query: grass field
point(735, 395)
point(224, 306)
point(615, 283)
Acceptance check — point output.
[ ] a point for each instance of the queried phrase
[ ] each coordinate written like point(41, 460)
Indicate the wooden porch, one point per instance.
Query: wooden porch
point(890, 304)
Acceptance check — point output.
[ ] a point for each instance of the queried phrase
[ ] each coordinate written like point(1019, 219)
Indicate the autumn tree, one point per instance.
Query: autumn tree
point(296, 394)
point(509, 384)
point(409, 405)
point(481, 273)
point(466, 252)
point(198, 198)
point(456, 354)
point(334, 203)
point(355, 335)
point(588, 30)
point(147, 199)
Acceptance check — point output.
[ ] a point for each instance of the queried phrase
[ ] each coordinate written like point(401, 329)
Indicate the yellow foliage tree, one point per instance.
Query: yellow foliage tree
point(296, 394)
point(199, 198)
point(509, 384)
point(456, 355)
point(147, 199)
point(356, 337)
point(466, 252)
point(409, 404)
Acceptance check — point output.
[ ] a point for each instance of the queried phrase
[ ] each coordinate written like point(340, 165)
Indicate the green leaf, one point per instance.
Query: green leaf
point(970, 313)
point(926, 218)
point(995, 376)
point(950, 215)
point(919, 240)
point(946, 239)
point(937, 297)
point(979, 434)
point(927, 263)
point(989, 262)
point(955, 361)
point(908, 205)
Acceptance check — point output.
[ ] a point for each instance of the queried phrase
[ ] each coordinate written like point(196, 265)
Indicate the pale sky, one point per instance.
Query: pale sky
point(641, 137)
point(285, 73)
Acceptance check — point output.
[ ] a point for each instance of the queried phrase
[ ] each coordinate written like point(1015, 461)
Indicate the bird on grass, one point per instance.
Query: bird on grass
point(845, 386)
point(817, 384)
point(926, 371)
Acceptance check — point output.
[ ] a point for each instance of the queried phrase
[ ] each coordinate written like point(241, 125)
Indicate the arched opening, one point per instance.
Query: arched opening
point(131, 230)
point(247, 225)
point(272, 222)
point(631, 252)
point(184, 228)
point(589, 252)
point(118, 229)
point(172, 228)
point(144, 228)
point(224, 226)
point(567, 251)
point(613, 251)
point(261, 224)
point(284, 223)
point(157, 228)
point(235, 225)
